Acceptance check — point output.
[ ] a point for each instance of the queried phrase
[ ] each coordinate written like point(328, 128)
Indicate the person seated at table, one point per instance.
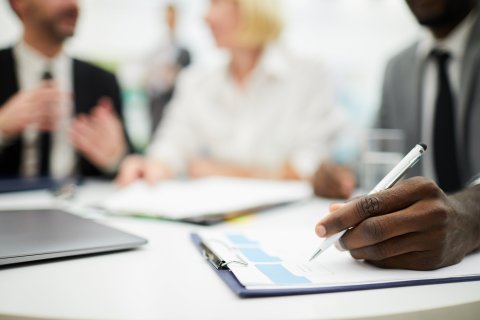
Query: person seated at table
point(59, 116)
point(263, 113)
point(432, 93)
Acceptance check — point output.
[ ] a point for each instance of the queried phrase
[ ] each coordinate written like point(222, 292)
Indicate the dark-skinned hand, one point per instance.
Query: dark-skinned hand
point(413, 225)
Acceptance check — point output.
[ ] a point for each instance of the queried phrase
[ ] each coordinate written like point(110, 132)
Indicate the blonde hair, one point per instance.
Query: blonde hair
point(262, 22)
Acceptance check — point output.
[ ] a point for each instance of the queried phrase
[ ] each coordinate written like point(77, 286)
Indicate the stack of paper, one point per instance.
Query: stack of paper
point(203, 197)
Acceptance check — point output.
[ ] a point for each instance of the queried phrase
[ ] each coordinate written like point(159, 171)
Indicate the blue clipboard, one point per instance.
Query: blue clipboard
point(229, 278)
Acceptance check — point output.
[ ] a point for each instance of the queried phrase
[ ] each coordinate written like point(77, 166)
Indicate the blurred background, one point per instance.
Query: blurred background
point(354, 38)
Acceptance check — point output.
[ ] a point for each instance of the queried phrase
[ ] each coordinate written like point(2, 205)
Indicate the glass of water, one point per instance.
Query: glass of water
point(382, 150)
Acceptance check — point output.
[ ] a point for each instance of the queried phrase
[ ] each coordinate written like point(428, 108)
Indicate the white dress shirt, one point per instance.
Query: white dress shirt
point(285, 113)
point(455, 44)
point(30, 66)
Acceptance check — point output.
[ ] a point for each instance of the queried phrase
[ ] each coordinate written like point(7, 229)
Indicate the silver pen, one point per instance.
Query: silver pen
point(388, 181)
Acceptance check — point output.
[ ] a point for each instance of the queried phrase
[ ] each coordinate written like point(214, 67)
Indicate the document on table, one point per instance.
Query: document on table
point(274, 262)
point(216, 196)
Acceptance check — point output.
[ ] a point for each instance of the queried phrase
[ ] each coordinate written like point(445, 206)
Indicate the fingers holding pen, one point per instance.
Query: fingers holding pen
point(381, 228)
point(414, 226)
point(399, 197)
point(397, 246)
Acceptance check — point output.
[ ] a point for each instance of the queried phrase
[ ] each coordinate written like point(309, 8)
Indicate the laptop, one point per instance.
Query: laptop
point(33, 235)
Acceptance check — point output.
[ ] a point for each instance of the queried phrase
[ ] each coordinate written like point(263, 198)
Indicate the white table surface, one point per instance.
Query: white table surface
point(168, 279)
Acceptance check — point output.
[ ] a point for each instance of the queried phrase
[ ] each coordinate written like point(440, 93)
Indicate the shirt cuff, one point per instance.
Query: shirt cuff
point(475, 181)
point(305, 165)
point(113, 168)
point(170, 157)
point(4, 141)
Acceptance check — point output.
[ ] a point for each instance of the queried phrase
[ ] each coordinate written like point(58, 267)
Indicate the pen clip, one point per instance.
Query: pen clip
point(220, 255)
point(414, 162)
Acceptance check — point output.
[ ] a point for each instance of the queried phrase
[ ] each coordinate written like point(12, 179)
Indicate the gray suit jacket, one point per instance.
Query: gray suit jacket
point(401, 103)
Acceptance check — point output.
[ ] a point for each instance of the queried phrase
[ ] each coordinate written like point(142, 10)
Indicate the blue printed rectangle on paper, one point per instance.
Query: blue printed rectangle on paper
point(240, 239)
point(258, 255)
point(280, 275)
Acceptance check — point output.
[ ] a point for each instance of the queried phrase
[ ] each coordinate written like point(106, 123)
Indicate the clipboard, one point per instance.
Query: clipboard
point(220, 267)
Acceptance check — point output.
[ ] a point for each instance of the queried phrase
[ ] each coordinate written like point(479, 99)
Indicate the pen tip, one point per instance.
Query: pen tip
point(423, 145)
point(315, 255)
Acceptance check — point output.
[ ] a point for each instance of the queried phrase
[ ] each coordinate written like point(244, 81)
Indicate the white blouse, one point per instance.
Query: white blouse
point(285, 113)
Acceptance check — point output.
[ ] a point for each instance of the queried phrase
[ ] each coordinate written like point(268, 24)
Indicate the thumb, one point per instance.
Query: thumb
point(105, 103)
point(335, 206)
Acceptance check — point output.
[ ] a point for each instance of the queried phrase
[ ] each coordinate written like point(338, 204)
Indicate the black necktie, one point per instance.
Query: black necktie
point(45, 138)
point(445, 151)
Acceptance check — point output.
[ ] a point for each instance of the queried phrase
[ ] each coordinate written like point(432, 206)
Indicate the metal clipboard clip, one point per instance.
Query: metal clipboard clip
point(220, 255)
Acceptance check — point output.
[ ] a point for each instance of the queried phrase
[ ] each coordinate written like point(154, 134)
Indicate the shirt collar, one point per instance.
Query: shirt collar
point(455, 43)
point(37, 63)
point(272, 63)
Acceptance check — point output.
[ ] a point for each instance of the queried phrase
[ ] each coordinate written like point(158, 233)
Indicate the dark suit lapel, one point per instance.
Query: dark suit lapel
point(76, 86)
point(468, 73)
point(9, 86)
point(414, 70)
point(79, 105)
point(79, 87)
point(469, 76)
point(419, 65)
point(414, 104)
point(8, 76)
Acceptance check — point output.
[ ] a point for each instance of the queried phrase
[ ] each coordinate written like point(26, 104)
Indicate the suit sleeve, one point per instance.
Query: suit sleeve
point(116, 97)
point(383, 119)
point(92, 84)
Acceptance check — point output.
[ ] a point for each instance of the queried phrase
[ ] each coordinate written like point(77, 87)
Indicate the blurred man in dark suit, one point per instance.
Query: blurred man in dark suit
point(59, 116)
